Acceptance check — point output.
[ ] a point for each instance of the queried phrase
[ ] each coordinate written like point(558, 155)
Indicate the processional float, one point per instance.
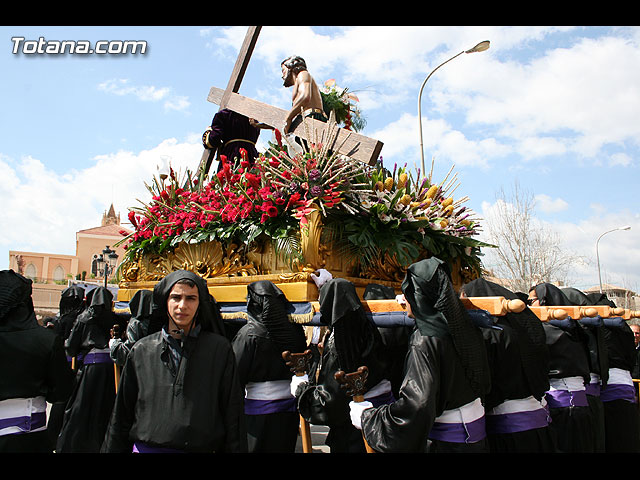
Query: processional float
point(190, 225)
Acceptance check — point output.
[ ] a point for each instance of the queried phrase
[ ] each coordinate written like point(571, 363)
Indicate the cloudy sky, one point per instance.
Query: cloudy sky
point(552, 108)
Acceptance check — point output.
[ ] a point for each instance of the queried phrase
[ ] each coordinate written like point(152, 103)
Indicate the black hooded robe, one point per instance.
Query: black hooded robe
point(572, 421)
point(354, 341)
point(446, 374)
point(271, 414)
point(517, 420)
point(622, 429)
point(71, 305)
point(33, 370)
point(137, 326)
point(598, 364)
point(87, 413)
point(191, 402)
point(395, 339)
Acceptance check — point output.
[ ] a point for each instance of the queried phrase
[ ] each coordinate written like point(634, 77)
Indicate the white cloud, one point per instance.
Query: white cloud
point(620, 159)
point(546, 204)
point(145, 93)
point(43, 210)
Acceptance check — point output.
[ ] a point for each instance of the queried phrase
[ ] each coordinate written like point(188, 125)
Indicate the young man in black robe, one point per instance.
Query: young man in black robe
point(87, 413)
point(179, 390)
point(446, 375)
point(271, 413)
point(33, 370)
point(354, 341)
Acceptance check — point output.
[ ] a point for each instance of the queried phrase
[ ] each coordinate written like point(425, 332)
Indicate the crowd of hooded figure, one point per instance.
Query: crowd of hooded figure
point(449, 380)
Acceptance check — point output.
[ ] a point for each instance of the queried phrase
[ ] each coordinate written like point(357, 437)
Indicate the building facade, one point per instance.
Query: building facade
point(51, 272)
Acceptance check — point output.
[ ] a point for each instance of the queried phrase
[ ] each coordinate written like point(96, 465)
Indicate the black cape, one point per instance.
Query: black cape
point(258, 347)
point(622, 425)
point(140, 307)
point(395, 339)
point(89, 408)
point(354, 342)
point(519, 364)
point(598, 364)
point(446, 367)
point(32, 360)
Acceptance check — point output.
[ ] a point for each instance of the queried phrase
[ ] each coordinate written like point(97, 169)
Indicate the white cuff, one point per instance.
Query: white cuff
point(356, 412)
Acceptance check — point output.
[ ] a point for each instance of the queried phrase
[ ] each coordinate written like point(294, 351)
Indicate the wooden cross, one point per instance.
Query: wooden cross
point(233, 86)
point(347, 142)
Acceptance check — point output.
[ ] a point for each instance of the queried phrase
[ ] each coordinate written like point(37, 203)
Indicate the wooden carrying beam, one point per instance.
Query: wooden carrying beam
point(351, 144)
point(494, 305)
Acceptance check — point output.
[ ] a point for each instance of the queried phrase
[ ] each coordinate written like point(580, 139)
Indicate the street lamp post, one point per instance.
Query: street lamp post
point(626, 227)
point(106, 263)
point(480, 47)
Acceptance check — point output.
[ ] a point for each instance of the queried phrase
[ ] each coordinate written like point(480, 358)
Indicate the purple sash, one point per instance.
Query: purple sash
point(97, 357)
point(27, 423)
point(383, 399)
point(140, 447)
point(566, 398)
point(517, 421)
point(618, 391)
point(263, 407)
point(459, 432)
point(593, 389)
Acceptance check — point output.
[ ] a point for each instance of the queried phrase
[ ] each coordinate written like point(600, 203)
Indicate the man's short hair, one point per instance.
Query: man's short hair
point(186, 281)
point(294, 63)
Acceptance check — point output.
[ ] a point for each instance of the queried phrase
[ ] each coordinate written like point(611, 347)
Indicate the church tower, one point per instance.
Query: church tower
point(110, 217)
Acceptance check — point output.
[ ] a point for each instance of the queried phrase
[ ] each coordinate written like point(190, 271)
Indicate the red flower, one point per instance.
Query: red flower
point(278, 137)
point(132, 219)
point(272, 211)
point(243, 153)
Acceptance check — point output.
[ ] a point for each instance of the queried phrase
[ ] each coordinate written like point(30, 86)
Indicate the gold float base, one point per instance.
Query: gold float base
point(234, 289)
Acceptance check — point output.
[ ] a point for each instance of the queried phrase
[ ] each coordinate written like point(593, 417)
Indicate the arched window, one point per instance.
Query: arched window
point(30, 271)
point(58, 273)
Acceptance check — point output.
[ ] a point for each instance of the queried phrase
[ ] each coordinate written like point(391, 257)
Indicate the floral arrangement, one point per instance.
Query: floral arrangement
point(343, 104)
point(367, 211)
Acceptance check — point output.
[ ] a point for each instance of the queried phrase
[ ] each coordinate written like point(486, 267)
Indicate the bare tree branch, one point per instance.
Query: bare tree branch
point(529, 251)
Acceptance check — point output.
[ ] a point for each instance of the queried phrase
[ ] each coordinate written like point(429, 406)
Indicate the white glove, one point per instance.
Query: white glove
point(356, 412)
point(296, 381)
point(323, 277)
point(112, 342)
point(401, 300)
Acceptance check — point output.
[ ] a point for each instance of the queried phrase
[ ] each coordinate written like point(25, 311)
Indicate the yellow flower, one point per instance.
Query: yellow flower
point(447, 202)
point(432, 191)
point(448, 210)
point(405, 199)
point(388, 183)
point(402, 180)
point(379, 186)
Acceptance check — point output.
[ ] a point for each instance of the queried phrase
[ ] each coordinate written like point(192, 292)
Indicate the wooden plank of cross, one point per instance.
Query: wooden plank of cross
point(347, 142)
